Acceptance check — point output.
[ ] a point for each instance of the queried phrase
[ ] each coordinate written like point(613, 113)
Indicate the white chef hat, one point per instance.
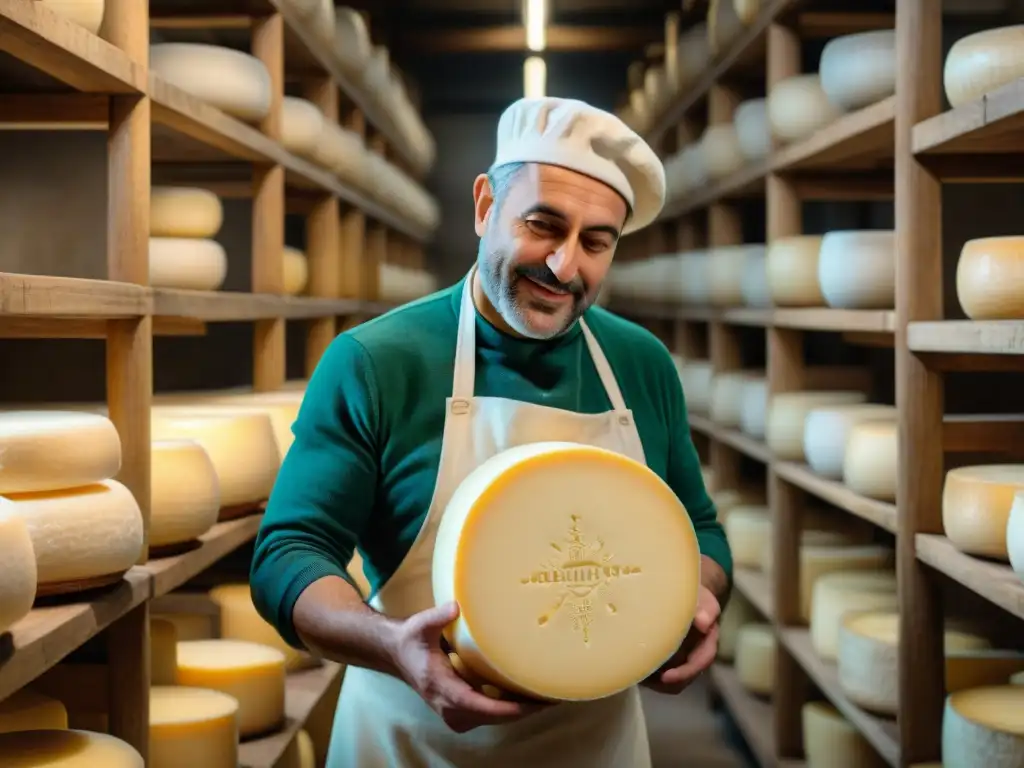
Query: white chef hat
point(574, 135)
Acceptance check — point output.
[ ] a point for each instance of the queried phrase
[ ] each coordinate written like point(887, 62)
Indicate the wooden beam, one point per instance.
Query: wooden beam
point(512, 37)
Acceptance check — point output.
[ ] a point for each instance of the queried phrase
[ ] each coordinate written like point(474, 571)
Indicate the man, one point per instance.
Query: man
point(384, 437)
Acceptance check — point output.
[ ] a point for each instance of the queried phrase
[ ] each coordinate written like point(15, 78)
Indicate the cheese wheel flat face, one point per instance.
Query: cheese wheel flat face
point(787, 417)
point(185, 492)
point(797, 107)
point(754, 282)
point(722, 150)
point(832, 741)
point(192, 727)
point(857, 269)
point(755, 658)
point(836, 594)
point(859, 70)
point(582, 555)
point(66, 749)
point(752, 130)
point(983, 62)
point(983, 728)
point(85, 13)
point(296, 271)
point(187, 263)
point(234, 82)
point(827, 430)
point(748, 528)
point(184, 212)
point(976, 503)
point(53, 450)
point(18, 572)
point(26, 710)
point(727, 394)
point(990, 278)
point(725, 275)
point(754, 411)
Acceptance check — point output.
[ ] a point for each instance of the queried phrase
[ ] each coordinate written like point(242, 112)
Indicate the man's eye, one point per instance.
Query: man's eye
point(596, 246)
point(540, 227)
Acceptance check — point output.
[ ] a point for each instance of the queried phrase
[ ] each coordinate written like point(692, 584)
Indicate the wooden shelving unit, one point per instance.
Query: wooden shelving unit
point(157, 133)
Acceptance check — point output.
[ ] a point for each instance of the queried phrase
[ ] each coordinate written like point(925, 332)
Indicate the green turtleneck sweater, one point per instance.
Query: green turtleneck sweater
point(361, 470)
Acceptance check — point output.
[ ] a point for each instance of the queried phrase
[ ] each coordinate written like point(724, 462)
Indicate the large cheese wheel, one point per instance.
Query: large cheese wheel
point(187, 263)
point(85, 13)
point(252, 674)
point(748, 529)
point(727, 390)
point(836, 594)
point(575, 585)
point(184, 212)
point(296, 271)
point(870, 465)
point(300, 753)
point(52, 450)
point(827, 430)
point(184, 490)
point(725, 270)
point(754, 284)
point(859, 70)
point(816, 561)
point(67, 749)
point(302, 122)
point(192, 727)
point(976, 505)
point(163, 657)
point(981, 63)
point(857, 269)
point(983, 728)
point(831, 741)
point(1015, 535)
point(797, 107)
point(756, 646)
point(230, 80)
point(990, 278)
point(752, 130)
point(80, 534)
point(722, 150)
point(737, 613)
point(792, 266)
point(787, 415)
point(26, 710)
point(696, 380)
point(240, 444)
point(754, 411)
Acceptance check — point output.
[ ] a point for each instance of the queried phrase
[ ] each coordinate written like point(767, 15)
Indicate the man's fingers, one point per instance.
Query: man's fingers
point(432, 621)
point(461, 695)
point(701, 658)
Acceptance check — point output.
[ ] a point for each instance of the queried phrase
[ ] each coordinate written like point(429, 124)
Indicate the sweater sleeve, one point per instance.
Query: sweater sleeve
point(325, 489)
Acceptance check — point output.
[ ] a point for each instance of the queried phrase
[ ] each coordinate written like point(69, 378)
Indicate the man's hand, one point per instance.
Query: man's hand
point(696, 653)
point(425, 666)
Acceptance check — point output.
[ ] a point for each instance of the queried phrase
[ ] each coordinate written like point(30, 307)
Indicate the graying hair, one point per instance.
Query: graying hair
point(501, 179)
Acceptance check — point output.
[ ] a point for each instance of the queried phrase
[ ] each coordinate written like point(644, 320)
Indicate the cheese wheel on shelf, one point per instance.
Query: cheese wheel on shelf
point(787, 415)
point(696, 380)
point(82, 533)
point(754, 410)
point(296, 271)
point(1014, 535)
point(184, 212)
point(857, 269)
point(981, 63)
point(871, 459)
point(18, 572)
point(737, 614)
point(976, 504)
point(990, 278)
point(187, 263)
point(753, 133)
point(827, 430)
point(27, 710)
point(722, 153)
point(251, 673)
point(507, 552)
point(300, 753)
point(725, 272)
point(831, 741)
point(695, 276)
point(860, 69)
point(792, 266)
point(53, 450)
point(352, 45)
point(185, 492)
point(748, 528)
point(234, 82)
point(302, 122)
point(67, 749)
point(755, 658)
point(797, 107)
point(982, 728)
point(728, 499)
point(727, 390)
point(192, 726)
point(754, 283)
point(836, 594)
point(816, 561)
point(163, 657)
point(85, 13)
point(831, 536)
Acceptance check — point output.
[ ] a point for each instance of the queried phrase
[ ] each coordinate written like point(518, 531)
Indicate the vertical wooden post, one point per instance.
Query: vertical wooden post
point(353, 232)
point(376, 238)
point(919, 391)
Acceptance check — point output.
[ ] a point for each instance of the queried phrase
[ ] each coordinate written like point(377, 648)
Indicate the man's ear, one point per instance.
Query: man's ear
point(483, 203)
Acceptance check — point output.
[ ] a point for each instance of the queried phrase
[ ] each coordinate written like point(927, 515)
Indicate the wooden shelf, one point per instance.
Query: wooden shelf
point(990, 337)
point(756, 587)
point(67, 297)
point(996, 582)
point(231, 306)
point(809, 318)
point(880, 513)
point(745, 444)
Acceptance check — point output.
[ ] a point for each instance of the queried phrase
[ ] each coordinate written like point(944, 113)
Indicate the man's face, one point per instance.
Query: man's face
point(546, 248)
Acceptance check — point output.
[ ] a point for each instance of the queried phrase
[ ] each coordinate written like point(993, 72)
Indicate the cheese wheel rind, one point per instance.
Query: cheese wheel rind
point(797, 107)
point(756, 646)
point(184, 212)
point(192, 727)
point(1015, 534)
point(27, 710)
point(860, 69)
point(827, 430)
point(982, 62)
point(982, 727)
point(186, 263)
point(976, 502)
point(857, 269)
point(66, 749)
point(185, 492)
point(990, 278)
point(836, 594)
point(792, 267)
point(235, 82)
point(787, 417)
point(302, 122)
point(871, 460)
point(832, 741)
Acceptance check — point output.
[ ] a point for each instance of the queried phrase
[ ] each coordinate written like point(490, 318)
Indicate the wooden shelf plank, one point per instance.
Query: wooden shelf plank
point(879, 513)
point(991, 125)
point(745, 444)
point(70, 297)
point(808, 319)
point(994, 581)
point(757, 588)
point(882, 734)
point(748, 181)
point(236, 306)
point(990, 337)
point(866, 135)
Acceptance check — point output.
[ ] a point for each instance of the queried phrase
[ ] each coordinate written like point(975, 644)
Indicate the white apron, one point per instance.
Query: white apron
point(380, 721)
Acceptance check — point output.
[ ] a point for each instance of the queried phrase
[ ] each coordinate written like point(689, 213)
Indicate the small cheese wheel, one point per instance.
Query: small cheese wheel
point(53, 450)
point(981, 63)
point(81, 533)
point(727, 390)
point(792, 266)
point(302, 122)
point(187, 263)
point(184, 212)
point(253, 674)
point(725, 273)
point(990, 278)
point(976, 505)
point(232, 81)
point(696, 380)
point(300, 752)
point(827, 429)
point(239, 620)
point(857, 269)
point(1014, 535)
point(748, 528)
point(816, 561)
point(185, 492)
point(797, 107)
point(871, 459)
point(983, 728)
point(574, 586)
point(85, 13)
point(163, 656)
point(26, 710)
point(722, 150)
point(755, 658)
point(738, 613)
point(67, 749)
point(831, 741)
point(753, 133)
point(296, 271)
point(859, 70)
point(787, 415)
point(754, 411)
point(192, 726)
point(836, 594)
point(18, 571)
point(754, 283)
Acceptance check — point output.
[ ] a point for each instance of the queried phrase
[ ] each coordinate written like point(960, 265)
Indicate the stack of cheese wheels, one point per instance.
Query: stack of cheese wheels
point(725, 272)
point(696, 378)
point(1015, 535)
point(296, 271)
point(870, 463)
point(86, 528)
point(827, 431)
point(27, 710)
point(60, 748)
point(194, 726)
point(85, 13)
point(869, 669)
point(232, 81)
point(302, 122)
point(722, 151)
point(398, 283)
point(573, 585)
point(836, 594)
point(754, 283)
point(748, 527)
point(976, 503)
point(797, 107)
point(755, 658)
point(727, 395)
point(989, 282)
point(857, 269)
point(184, 494)
point(981, 727)
point(182, 252)
point(787, 414)
point(752, 130)
point(737, 614)
point(817, 560)
point(981, 63)
point(832, 741)
point(754, 411)
point(792, 267)
point(860, 69)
